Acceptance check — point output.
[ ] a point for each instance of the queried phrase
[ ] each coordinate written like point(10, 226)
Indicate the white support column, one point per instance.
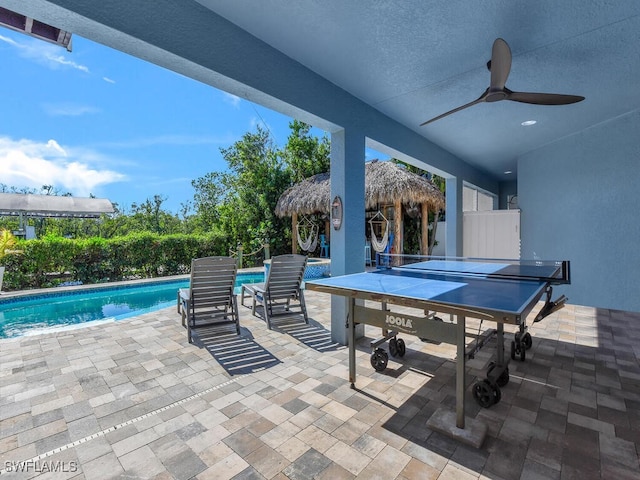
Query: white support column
point(347, 243)
point(453, 247)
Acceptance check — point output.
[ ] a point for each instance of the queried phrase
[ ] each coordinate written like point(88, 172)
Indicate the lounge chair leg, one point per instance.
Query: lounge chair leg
point(234, 314)
point(303, 306)
point(266, 303)
point(242, 296)
point(184, 310)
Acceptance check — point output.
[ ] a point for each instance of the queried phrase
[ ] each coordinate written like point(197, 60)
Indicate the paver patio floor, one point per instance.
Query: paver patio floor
point(133, 399)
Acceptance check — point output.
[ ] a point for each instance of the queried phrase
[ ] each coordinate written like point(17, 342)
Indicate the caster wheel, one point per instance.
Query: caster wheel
point(484, 393)
point(503, 379)
point(379, 360)
point(393, 347)
point(526, 340)
point(518, 350)
point(490, 368)
point(497, 394)
point(402, 348)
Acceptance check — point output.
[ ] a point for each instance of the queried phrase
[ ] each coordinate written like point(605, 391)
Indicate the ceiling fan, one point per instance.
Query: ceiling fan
point(499, 66)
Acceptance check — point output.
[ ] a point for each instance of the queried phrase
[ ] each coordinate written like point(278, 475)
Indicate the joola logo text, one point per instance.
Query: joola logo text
point(399, 321)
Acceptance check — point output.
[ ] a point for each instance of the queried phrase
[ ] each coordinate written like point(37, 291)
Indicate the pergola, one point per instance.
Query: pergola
point(386, 183)
point(21, 205)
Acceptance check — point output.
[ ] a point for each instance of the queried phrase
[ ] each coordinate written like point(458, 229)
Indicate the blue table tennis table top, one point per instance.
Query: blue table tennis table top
point(485, 288)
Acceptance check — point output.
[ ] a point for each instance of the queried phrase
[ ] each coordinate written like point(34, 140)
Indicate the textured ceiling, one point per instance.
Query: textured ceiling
point(415, 59)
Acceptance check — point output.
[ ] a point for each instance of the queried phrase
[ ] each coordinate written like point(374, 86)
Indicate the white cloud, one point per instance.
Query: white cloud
point(55, 146)
point(258, 121)
point(172, 139)
point(52, 59)
point(8, 40)
point(108, 80)
point(44, 53)
point(169, 181)
point(68, 109)
point(231, 99)
point(28, 163)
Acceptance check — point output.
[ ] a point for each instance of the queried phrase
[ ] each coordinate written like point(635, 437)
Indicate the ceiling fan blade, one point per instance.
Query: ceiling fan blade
point(542, 98)
point(500, 64)
point(481, 99)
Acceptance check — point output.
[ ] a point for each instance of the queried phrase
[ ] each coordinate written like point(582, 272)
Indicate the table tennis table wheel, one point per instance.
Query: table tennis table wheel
point(519, 350)
point(503, 379)
point(393, 347)
point(527, 341)
point(486, 393)
point(379, 359)
point(397, 347)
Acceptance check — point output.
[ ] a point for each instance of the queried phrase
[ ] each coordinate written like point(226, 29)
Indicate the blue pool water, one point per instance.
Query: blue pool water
point(36, 314)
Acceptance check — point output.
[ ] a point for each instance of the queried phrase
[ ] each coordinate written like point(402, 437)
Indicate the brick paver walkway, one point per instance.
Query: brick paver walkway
point(132, 399)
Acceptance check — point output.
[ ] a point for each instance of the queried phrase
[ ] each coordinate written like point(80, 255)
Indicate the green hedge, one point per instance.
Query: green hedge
point(50, 261)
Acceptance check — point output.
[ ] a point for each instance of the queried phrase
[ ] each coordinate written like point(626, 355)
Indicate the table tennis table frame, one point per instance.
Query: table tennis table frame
point(426, 327)
point(436, 330)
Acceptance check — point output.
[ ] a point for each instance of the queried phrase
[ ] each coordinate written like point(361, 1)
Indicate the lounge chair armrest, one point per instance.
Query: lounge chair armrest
point(254, 288)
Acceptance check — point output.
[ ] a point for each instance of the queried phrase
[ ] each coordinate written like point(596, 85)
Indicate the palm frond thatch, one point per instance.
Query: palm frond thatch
point(312, 195)
point(385, 182)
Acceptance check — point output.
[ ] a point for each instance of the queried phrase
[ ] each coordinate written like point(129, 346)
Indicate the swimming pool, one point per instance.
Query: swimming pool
point(41, 313)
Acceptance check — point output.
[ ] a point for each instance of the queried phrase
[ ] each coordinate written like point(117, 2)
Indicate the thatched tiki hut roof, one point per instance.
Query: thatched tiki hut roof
point(312, 195)
point(385, 183)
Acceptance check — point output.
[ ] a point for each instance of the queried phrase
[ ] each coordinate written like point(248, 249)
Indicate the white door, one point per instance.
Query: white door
point(491, 234)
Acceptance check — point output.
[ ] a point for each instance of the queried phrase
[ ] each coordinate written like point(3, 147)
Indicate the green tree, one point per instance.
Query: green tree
point(151, 217)
point(304, 154)
point(211, 191)
point(241, 201)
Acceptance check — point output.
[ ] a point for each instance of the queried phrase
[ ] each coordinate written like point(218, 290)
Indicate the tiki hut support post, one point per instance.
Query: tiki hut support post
point(327, 230)
point(397, 226)
point(424, 240)
point(294, 232)
point(436, 218)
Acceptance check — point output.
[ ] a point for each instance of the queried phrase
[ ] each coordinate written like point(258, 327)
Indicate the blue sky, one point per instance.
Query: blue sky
point(98, 121)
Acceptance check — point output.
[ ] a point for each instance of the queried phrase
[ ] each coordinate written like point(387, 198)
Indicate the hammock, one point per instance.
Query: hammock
point(310, 231)
point(379, 245)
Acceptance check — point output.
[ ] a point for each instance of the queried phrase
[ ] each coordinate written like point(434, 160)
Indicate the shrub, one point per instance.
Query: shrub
point(45, 262)
point(7, 243)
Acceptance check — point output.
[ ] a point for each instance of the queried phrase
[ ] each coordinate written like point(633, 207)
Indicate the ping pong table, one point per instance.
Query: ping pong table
point(500, 291)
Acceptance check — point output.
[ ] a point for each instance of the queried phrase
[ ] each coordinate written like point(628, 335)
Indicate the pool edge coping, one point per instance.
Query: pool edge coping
point(42, 292)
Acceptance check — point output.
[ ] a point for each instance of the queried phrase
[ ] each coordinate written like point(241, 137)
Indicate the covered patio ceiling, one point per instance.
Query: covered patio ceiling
point(413, 60)
point(409, 60)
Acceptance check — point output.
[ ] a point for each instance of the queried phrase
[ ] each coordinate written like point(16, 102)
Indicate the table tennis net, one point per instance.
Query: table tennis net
point(552, 271)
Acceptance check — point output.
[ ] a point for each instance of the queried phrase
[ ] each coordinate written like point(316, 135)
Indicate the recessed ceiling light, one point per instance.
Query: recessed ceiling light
point(528, 123)
point(508, 172)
